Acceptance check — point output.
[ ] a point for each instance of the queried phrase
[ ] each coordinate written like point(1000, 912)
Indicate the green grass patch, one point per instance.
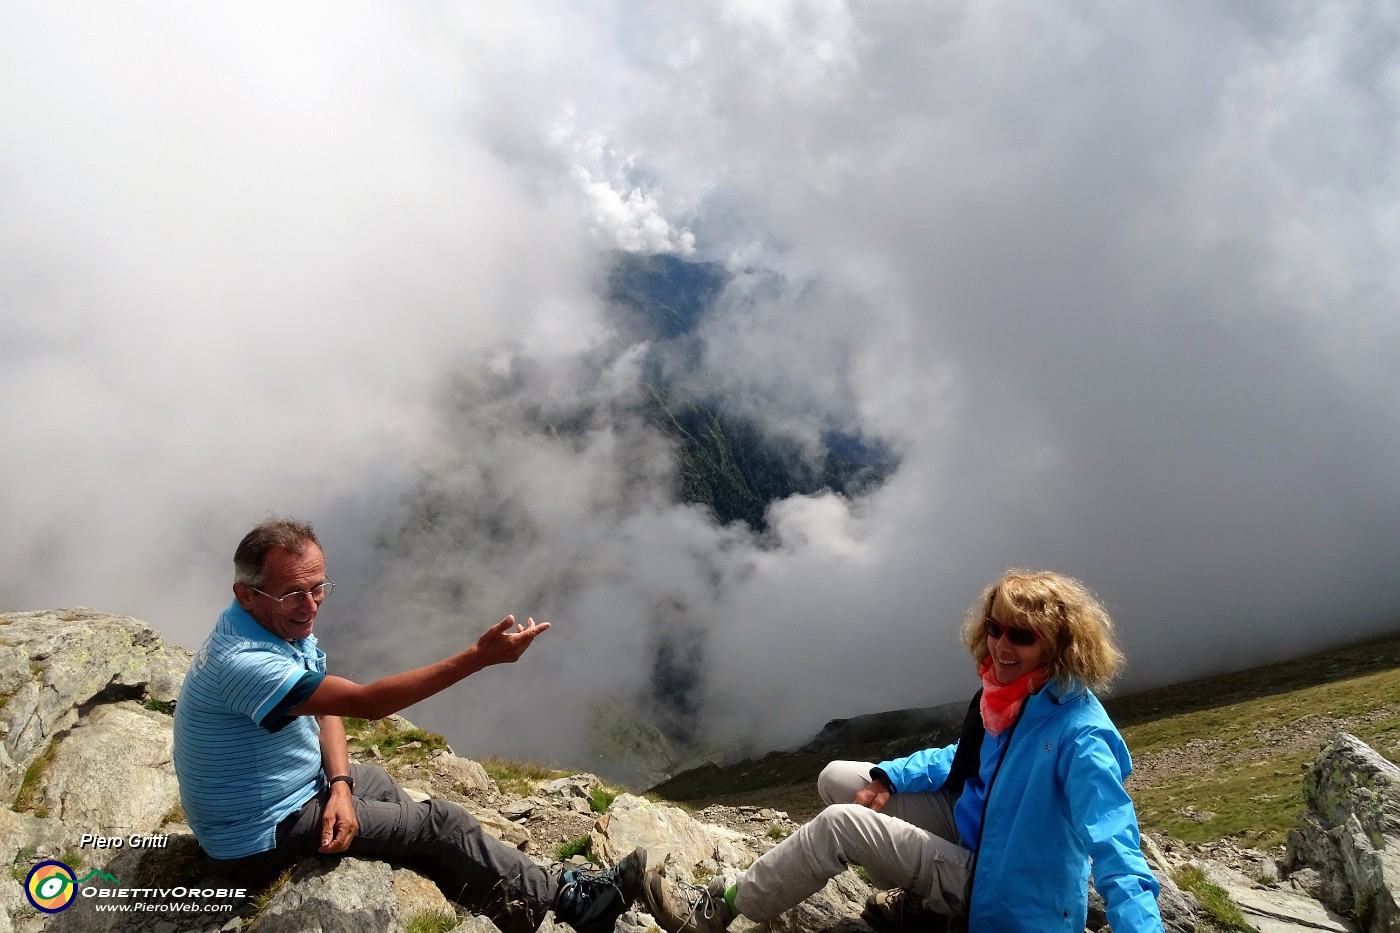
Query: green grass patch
point(381, 738)
point(600, 798)
point(161, 706)
point(1256, 802)
point(567, 850)
point(1213, 899)
point(778, 833)
point(431, 921)
point(519, 777)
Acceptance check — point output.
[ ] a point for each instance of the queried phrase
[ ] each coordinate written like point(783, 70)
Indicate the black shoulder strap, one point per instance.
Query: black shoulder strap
point(968, 757)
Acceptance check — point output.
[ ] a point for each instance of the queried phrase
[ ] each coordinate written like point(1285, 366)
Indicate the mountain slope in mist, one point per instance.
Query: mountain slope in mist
point(727, 462)
point(615, 484)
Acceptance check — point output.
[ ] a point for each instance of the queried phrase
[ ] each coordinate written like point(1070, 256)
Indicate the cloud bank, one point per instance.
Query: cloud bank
point(1118, 286)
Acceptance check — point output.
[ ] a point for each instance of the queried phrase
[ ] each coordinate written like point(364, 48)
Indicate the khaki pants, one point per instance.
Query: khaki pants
point(911, 844)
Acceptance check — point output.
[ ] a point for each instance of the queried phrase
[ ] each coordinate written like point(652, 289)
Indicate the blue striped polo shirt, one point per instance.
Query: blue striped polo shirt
point(243, 763)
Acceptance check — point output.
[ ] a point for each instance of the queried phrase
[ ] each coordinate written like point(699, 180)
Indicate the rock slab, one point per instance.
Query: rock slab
point(1346, 847)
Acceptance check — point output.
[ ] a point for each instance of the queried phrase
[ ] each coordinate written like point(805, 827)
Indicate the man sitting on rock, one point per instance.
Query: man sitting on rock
point(264, 766)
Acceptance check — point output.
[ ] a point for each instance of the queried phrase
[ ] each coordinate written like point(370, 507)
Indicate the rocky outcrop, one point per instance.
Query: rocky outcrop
point(87, 751)
point(54, 666)
point(1346, 849)
point(1265, 902)
point(349, 895)
point(667, 833)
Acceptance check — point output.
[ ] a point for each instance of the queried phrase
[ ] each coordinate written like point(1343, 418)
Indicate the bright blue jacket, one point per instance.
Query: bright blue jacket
point(1057, 802)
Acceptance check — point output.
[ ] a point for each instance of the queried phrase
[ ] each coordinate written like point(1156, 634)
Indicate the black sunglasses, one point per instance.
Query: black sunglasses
point(1017, 636)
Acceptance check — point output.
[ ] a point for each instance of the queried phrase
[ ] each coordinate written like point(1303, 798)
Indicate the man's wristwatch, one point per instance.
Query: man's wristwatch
point(342, 777)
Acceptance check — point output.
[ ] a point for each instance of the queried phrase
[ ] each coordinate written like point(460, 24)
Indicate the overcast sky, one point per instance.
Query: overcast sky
point(1118, 283)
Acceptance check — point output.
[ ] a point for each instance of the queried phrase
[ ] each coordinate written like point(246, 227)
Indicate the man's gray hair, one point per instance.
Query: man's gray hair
point(291, 534)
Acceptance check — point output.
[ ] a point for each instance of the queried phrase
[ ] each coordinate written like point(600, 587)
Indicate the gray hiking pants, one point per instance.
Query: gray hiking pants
point(911, 844)
point(438, 839)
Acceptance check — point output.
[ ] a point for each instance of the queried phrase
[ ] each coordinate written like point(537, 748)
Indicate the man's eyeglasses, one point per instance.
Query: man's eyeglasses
point(317, 594)
point(1017, 636)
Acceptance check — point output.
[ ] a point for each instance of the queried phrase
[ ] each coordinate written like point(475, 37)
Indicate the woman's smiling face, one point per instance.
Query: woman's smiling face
point(1011, 661)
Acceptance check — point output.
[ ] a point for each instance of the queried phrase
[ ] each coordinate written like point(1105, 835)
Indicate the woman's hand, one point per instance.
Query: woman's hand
point(873, 795)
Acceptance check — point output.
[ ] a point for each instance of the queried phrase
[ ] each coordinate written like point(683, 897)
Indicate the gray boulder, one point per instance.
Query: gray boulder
point(349, 895)
point(667, 832)
point(114, 770)
point(467, 777)
point(1346, 848)
point(54, 664)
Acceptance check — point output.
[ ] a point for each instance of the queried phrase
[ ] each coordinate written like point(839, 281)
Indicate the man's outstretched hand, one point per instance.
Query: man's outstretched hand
point(505, 642)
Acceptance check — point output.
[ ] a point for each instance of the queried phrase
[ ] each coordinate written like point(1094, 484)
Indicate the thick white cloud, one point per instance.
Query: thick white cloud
point(1117, 284)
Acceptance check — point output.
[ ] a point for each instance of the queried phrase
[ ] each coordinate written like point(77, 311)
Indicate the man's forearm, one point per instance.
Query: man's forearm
point(335, 750)
point(399, 691)
point(339, 823)
point(336, 696)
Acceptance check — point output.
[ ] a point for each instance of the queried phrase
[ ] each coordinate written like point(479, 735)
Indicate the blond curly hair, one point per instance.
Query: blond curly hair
point(1066, 615)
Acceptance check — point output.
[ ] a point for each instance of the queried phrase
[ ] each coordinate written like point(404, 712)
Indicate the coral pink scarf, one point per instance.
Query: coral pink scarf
point(1001, 703)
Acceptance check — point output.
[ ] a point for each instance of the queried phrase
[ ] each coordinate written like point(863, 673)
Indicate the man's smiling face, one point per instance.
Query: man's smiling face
point(286, 572)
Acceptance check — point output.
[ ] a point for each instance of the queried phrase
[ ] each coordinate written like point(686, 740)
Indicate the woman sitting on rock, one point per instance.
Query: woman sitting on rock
point(997, 830)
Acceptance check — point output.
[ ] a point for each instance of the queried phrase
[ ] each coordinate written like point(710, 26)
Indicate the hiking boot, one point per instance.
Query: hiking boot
point(898, 910)
point(687, 908)
point(590, 900)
